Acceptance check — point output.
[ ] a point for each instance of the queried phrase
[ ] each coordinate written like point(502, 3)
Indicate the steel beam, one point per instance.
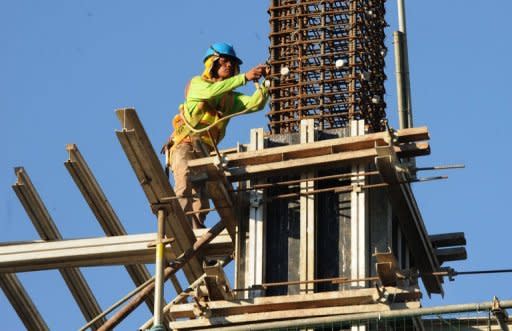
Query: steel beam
point(117, 250)
point(47, 229)
point(105, 214)
point(154, 182)
point(20, 300)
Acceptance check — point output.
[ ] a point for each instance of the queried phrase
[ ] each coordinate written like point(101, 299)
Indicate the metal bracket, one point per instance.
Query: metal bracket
point(255, 199)
point(165, 241)
point(220, 162)
point(357, 188)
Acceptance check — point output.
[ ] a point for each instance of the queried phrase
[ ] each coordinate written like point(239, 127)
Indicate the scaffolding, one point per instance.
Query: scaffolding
point(329, 155)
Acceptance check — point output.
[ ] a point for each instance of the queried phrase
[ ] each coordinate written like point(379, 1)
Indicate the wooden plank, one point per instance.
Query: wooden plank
point(155, 184)
point(22, 303)
point(296, 301)
point(451, 254)
point(448, 239)
point(409, 217)
point(296, 165)
point(115, 250)
point(319, 148)
point(412, 134)
point(210, 322)
point(47, 230)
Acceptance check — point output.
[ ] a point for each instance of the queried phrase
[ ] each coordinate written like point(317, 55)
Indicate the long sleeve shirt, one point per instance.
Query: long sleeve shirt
point(206, 102)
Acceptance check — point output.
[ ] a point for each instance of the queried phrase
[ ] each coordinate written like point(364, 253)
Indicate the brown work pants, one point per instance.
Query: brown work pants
point(192, 196)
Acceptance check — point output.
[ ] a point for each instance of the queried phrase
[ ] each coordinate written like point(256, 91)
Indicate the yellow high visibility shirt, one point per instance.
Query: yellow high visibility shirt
point(206, 102)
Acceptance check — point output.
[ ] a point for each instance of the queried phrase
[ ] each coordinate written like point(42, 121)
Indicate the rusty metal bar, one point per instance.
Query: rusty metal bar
point(333, 55)
point(348, 188)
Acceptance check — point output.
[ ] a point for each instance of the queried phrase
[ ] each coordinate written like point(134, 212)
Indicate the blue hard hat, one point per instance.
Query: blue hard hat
point(221, 49)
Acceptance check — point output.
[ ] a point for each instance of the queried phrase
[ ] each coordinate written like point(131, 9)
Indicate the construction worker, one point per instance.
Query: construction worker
point(210, 101)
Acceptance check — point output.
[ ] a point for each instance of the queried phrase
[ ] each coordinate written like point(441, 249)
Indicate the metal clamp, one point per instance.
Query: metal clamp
point(255, 199)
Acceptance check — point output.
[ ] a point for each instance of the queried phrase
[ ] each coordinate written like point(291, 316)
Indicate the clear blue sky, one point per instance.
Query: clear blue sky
point(66, 65)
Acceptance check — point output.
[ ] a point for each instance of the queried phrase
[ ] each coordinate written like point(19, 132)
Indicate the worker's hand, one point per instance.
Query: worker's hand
point(266, 72)
point(255, 73)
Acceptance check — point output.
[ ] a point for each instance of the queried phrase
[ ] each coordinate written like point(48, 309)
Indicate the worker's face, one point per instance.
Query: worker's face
point(225, 67)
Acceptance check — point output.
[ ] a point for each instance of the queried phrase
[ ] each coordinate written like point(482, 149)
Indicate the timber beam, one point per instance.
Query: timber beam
point(115, 250)
point(154, 182)
point(296, 301)
point(325, 153)
point(293, 314)
point(222, 313)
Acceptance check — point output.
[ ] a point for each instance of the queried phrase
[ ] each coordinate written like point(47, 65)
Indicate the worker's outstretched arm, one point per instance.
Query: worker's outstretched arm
point(254, 102)
point(201, 90)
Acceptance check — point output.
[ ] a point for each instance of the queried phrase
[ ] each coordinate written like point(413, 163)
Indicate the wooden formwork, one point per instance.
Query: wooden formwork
point(376, 155)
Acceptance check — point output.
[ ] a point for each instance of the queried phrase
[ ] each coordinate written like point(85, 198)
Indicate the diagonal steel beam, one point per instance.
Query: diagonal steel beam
point(21, 302)
point(47, 229)
point(105, 214)
point(156, 186)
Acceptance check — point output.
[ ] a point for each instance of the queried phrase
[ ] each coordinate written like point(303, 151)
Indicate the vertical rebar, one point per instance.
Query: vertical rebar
point(311, 38)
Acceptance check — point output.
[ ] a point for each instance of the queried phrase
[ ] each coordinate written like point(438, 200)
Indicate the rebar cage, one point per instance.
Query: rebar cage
point(327, 63)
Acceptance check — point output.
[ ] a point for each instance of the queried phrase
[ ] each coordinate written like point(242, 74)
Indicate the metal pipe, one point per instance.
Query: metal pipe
point(402, 313)
point(401, 94)
point(199, 244)
point(159, 269)
point(183, 295)
point(401, 16)
point(118, 303)
point(404, 55)
point(442, 167)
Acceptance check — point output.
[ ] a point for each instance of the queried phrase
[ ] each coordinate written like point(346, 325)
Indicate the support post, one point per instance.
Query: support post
point(307, 216)
point(256, 229)
point(159, 268)
point(359, 227)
